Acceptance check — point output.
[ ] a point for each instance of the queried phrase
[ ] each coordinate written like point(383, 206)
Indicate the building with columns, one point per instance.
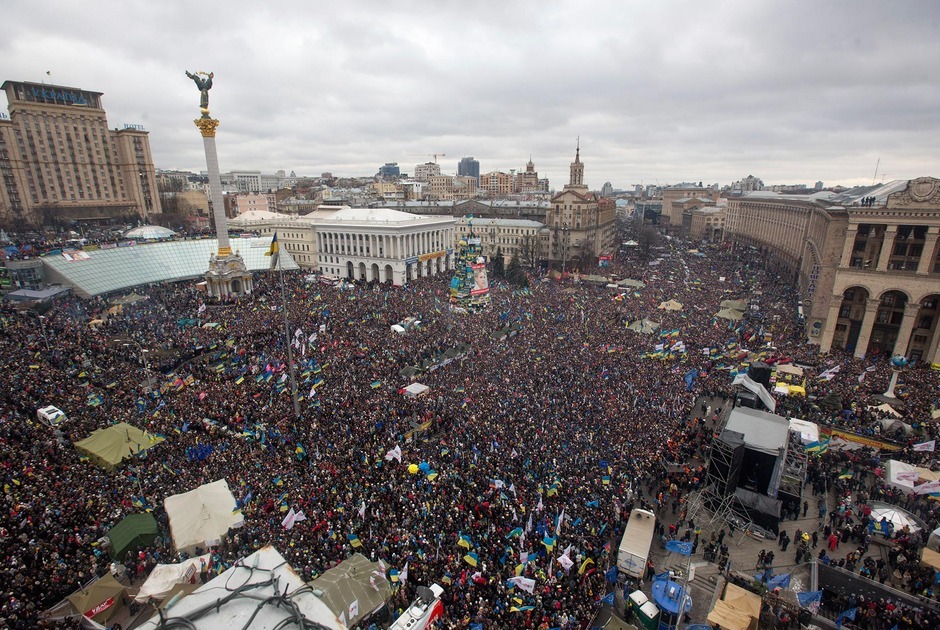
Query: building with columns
point(865, 262)
point(383, 245)
point(373, 244)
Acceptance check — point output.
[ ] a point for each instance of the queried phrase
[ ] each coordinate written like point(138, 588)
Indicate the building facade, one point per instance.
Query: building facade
point(372, 244)
point(525, 240)
point(676, 198)
point(582, 226)
point(384, 245)
point(865, 263)
point(424, 172)
point(469, 167)
point(60, 163)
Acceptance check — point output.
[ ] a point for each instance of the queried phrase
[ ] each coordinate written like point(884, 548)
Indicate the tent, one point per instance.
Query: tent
point(809, 431)
point(734, 305)
point(738, 609)
point(111, 446)
point(135, 529)
point(268, 578)
point(164, 577)
point(727, 313)
point(930, 558)
point(201, 517)
point(397, 329)
point(630, 282)
point(933, 542)
point(356, 579)
point(100, 600)
point(51, 416)
point(891, 425)
point(645, 326)
point(416, 389)
point(671, 305)
point(130, 298)
point(896, 516)
point(786, 368)
point(886, 408)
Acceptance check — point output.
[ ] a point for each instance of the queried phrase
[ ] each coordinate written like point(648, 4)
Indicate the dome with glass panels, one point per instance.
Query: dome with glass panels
point(150, 232)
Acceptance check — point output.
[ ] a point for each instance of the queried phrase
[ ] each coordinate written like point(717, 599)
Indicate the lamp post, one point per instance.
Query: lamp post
point(42, 325)
point(564, 244)
point(142, 353)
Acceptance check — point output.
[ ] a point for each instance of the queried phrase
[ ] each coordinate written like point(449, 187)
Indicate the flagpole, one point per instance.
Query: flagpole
point(290, 351)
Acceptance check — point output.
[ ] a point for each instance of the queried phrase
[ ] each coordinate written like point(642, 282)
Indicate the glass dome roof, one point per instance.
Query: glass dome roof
point(150, 232)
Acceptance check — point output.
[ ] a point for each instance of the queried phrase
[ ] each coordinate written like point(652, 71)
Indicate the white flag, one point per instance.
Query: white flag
point(925, 446)
point(362, 510)
point(526, 584)
point(288, 521)
point(539, 506)
point(395, 453)
point(528, 526)
point(908, 475)
point(403, 576)
point(561, 521)
point(828, 374)
point(931, 487)
point(202, 308)
point(565, 562)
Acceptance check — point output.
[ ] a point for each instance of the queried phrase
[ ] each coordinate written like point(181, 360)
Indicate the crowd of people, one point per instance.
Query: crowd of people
point(540, 443)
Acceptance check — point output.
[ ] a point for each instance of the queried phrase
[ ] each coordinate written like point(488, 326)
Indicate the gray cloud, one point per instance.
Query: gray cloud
point(667, 91)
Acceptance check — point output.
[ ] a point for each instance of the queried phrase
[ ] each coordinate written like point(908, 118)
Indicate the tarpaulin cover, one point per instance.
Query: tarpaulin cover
point(135, 529)
point(105, 593)
point(164, 577)
point(201, 517)
point(109, 447)
point(354, 579)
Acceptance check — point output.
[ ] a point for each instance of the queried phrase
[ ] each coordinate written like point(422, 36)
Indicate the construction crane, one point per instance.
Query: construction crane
point(434, 155)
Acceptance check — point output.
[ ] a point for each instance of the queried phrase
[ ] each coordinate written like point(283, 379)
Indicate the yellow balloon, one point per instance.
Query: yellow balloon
point(413, 469)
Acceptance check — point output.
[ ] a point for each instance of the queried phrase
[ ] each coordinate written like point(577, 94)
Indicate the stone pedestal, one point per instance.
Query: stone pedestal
point(228, 276)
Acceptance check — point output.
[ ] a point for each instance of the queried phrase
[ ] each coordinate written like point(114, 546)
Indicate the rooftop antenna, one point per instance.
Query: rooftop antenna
point(877, 164)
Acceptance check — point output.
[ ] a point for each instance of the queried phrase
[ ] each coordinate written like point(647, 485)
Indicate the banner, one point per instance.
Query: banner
point(925, 446)
point(757, 388)
point(858, 439)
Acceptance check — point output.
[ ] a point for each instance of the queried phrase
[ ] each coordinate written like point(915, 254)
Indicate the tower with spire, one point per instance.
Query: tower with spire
point(576, 178)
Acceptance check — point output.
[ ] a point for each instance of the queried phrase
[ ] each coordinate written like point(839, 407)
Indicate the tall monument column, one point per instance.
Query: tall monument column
point(227, 275)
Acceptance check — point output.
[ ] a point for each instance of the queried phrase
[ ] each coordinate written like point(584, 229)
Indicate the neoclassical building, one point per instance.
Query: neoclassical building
point(361, 243)
point(581, 224)
point(866, 262)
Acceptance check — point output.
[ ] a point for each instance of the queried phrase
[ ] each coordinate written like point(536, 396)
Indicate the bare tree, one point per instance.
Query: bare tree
point(529, 251)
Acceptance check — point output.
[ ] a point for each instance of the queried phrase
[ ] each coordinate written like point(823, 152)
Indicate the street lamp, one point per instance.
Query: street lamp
point(42, 324)
point(127, 343)
point(564, 253)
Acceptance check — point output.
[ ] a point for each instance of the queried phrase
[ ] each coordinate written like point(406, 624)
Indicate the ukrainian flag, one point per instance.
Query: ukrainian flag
point(376, 384)
point(549, 543)
point(273, 251)
point(515, 532)
point(472, 559)
point(465, 541)
point(355, 542)
point(585, 565)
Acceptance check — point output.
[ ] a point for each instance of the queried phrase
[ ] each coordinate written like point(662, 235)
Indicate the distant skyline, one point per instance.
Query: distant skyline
point(659, 93)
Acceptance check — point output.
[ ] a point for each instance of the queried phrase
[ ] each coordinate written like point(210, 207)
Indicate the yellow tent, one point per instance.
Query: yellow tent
point(671, 305)
point(931, 558)
point(109, 447)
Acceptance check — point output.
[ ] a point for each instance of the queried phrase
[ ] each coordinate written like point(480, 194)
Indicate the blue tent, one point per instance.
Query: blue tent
point(668, 595)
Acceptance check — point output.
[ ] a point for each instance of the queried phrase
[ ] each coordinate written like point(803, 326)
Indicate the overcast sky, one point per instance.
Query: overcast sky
point(711, 91)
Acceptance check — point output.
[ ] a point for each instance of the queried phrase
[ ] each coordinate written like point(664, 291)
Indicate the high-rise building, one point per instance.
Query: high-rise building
point(61, 164)
point(469, 167)
point(390, 171)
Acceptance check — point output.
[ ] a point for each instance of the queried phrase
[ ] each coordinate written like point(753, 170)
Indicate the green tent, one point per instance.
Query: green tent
point(135, 529)
point(109, 447)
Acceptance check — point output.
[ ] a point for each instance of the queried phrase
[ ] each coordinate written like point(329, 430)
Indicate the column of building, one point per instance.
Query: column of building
point(848, 246)
point(929, 254)
point(887, 246)
point(868, 322)
point(832, 320)
point(911, 309)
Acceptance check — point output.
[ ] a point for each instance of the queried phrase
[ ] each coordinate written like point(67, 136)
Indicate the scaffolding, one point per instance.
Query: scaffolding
point(794, 467)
